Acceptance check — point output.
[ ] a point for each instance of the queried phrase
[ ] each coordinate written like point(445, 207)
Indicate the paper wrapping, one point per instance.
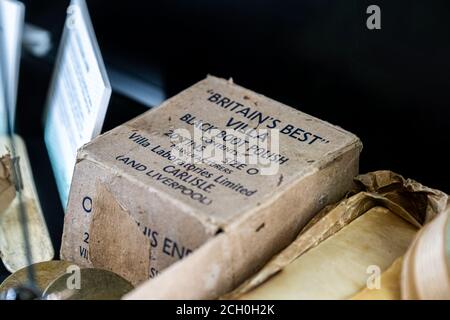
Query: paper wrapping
point(7, 187)
point(13, 246)
point(406, 198)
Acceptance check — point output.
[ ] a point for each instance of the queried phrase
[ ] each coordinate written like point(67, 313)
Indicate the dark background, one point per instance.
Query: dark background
point(390, 87)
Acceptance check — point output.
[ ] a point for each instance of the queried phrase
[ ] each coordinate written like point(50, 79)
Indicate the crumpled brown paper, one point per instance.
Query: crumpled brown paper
point(7, 187)
point(421, 202)
point(405, 197)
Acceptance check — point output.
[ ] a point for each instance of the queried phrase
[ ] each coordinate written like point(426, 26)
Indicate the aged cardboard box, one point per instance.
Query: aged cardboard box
point(216, 164)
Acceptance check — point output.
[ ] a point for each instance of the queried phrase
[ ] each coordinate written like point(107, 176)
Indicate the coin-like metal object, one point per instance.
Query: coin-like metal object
point(44, 273)
point(89, 284)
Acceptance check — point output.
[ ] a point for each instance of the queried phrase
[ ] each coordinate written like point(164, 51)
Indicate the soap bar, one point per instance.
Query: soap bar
point(345, 263)
point(216, 159)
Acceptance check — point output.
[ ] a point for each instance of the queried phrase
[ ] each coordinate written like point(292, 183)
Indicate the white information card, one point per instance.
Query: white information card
point(78, 96)
point(11, 28)
point(3, 113)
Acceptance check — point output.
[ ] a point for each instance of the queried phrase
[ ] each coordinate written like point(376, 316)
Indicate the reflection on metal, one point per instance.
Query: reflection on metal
point(44, 272)
point(95, 284)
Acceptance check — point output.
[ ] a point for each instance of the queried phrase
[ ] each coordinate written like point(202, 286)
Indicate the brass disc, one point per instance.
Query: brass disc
point(44, 273)
point(94, 284)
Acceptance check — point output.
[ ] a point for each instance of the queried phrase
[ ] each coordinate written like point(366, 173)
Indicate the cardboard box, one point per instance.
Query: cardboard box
point(273, 168)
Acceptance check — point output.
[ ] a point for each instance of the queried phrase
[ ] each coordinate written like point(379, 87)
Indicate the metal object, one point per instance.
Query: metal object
point(94, 284)
point(44, 274)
